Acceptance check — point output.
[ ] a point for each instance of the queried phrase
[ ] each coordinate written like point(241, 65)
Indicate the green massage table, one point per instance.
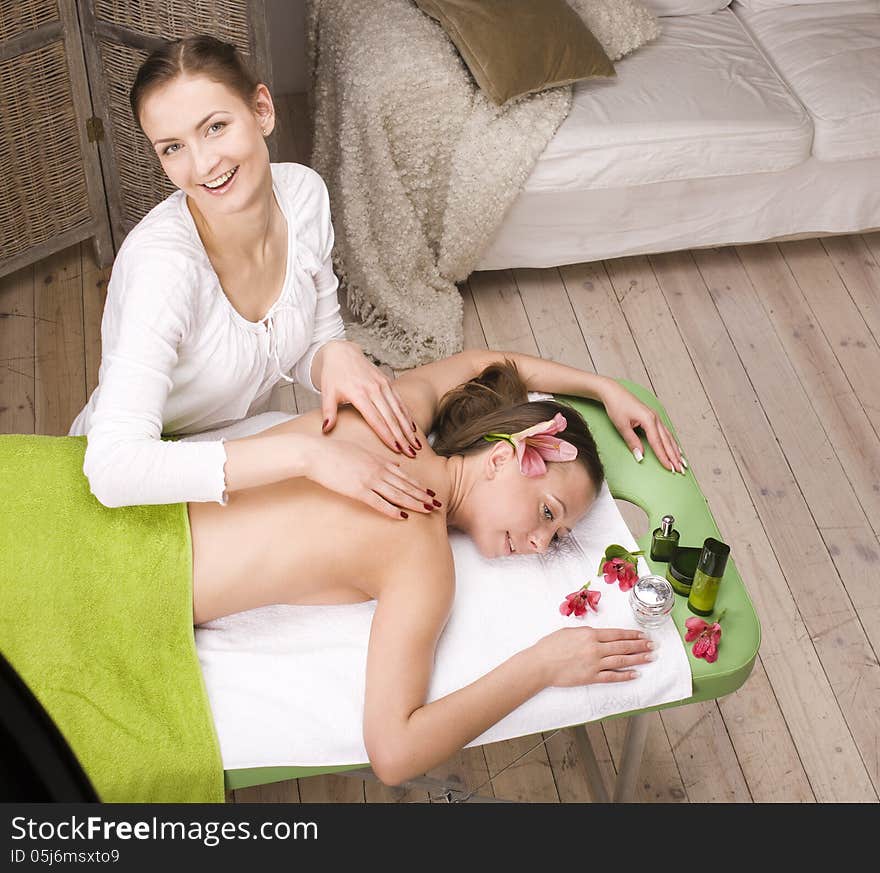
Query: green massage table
point(658, 492)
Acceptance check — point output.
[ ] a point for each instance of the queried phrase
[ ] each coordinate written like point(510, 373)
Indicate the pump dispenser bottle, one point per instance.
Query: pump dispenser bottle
point(664, 540)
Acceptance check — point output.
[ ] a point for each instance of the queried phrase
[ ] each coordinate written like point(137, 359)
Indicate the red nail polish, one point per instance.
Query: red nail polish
point(403, 514)
point(414, 426)
point(431, 493)
point(428, 507)
point(324, 425)
point(418, 443)
point(411, 451)
point(438, 504)
point(397, 446)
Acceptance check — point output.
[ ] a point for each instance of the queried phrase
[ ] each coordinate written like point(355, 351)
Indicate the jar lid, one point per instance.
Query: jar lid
point(652, 595)
point(684, 563)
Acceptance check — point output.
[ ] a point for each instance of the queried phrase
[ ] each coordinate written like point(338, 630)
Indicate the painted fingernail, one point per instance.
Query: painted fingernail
point(411, 451)
point(428, 507)
point(437, 503)
point(637, 453)
point(414, 426)
point(403, 514)
point(324, 425)
point(418, 443)
point(430, 492)
point(397, 446)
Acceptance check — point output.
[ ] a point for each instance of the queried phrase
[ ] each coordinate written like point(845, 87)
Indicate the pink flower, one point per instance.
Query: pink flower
point(622, 571)
point(579, 601)
point(537, 444)
point(707, 636)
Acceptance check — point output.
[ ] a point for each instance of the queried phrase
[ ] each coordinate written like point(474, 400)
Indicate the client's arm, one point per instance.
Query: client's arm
point(405, 736)
point(424, 386)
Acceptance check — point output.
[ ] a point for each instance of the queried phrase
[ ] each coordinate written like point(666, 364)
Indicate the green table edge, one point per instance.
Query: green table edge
point(658, 492)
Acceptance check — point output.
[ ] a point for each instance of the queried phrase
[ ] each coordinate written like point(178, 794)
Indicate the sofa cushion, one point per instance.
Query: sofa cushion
point(684, 7)
point(758, 5)
point(516, 47)
point(697, 102)
point(829, 53)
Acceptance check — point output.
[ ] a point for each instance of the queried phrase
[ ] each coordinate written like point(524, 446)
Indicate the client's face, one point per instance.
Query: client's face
point(508, 513)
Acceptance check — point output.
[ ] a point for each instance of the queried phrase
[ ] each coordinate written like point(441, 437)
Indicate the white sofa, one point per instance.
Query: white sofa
point(742, 122)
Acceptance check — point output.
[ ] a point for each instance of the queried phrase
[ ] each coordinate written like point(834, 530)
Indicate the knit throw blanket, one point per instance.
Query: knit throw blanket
point(96, 618)
point(420, 165)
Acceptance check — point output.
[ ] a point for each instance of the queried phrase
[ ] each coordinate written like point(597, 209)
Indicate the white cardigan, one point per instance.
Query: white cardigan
point(178, 358)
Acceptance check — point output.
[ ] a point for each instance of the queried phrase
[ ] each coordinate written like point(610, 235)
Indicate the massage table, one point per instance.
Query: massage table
point(658, 492)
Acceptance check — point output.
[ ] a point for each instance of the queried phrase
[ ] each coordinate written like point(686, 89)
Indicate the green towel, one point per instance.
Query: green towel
point(96, 617)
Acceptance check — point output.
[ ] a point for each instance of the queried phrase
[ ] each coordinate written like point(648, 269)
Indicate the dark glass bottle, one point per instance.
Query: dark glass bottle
point(664, 540)
point(710, 569)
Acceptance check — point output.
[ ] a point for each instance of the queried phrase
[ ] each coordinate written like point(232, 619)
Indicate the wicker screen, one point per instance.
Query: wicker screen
point(172, 19)
point(18, 16)
point(41, 165)
point(141, 180)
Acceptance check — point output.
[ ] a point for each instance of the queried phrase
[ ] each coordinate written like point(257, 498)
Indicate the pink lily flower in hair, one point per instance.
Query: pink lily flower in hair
point(538, 444)
point(579, 601)
point(707, 636)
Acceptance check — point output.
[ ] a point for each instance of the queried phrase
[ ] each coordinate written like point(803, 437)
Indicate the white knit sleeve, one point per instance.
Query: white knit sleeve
point(316, 234)
point(148, 312)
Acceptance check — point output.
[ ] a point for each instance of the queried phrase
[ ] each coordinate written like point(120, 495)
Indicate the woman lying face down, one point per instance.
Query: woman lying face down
point(300, 543)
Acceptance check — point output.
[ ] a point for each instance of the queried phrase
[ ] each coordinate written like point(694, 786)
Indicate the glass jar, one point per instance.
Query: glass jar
point(651, 600)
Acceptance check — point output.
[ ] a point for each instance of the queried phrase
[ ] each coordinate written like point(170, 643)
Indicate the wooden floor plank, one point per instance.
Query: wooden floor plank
point(797, 562)
point(94, 292)
point(60, 388)
point(853, 343)
point(274, 792)
point(520, 770)
point(17, 353)
point(568, 768)
point(331, 788)
point(860, 273)
point(812, 359)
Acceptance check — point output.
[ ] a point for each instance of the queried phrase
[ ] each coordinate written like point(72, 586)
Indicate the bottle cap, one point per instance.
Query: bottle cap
point(713, 558)
point(666, 524)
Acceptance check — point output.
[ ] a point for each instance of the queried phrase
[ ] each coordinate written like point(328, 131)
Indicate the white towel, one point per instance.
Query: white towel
point(286, 683)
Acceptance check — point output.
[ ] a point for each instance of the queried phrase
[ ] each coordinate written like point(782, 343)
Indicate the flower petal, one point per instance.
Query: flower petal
point(531, 463)
point(551, 448)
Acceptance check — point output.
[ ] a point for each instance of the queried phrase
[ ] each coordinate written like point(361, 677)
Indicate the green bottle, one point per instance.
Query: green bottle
point(710, 569)
point(664, 540)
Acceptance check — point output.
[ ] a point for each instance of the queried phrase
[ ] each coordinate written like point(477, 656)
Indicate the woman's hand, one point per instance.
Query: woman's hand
point(354, 471)
point(583, 655)
point(346, 376)
point(627, 412)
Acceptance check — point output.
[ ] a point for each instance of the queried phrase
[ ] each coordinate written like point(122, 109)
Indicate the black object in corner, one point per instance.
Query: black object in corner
point(36, 763)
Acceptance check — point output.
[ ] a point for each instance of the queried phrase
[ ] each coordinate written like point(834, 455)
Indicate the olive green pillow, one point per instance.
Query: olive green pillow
point(515, 47)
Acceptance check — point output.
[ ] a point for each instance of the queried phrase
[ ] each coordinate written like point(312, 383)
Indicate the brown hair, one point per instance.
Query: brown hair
point(497, 401)
point(194, 55)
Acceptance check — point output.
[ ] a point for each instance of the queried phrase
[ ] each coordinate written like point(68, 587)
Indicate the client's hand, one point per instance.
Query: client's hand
point(583, 655)
point(354, 471)
point(346, 376)
point(627, 412)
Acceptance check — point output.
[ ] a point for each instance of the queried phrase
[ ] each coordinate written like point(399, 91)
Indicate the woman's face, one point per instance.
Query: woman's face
point(508, 513)
point(210, 142)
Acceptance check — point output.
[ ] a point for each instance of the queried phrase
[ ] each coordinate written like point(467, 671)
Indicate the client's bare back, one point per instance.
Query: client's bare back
point(296, 542)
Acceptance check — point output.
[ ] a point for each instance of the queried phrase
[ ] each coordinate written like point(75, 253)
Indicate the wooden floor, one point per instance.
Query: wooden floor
point(767, 358)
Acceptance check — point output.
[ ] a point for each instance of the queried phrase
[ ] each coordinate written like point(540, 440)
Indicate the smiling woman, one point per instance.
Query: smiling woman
point(220, 292)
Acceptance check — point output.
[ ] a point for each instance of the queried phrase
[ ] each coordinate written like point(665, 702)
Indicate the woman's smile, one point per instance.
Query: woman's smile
point(222, 183)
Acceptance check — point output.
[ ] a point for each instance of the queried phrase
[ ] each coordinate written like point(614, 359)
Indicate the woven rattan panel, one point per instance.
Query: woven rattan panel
point(18, 16)
point(41, 166)
point(172, 19)
point(142, 182)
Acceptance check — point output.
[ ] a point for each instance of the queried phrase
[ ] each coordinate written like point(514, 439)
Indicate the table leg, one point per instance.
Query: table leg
point(633, 747)
point(591, 766)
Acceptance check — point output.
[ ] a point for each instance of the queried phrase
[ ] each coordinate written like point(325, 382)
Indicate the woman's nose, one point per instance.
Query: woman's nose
point(540, 542)
point(205, 163)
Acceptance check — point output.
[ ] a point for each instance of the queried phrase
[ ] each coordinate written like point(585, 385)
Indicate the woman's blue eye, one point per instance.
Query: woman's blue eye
point(547, 513)
point(167, 151)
